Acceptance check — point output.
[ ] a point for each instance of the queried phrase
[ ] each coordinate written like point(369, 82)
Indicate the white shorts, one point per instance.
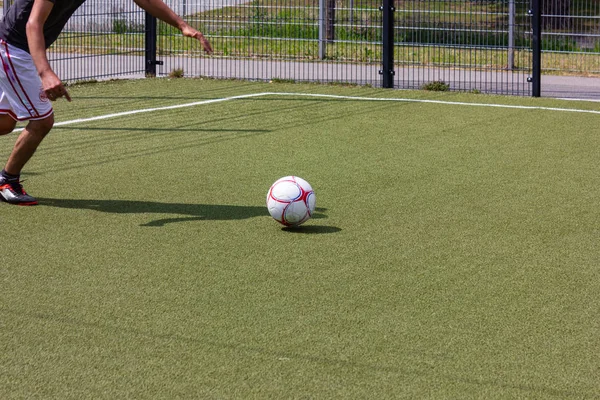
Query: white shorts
point(22, 95)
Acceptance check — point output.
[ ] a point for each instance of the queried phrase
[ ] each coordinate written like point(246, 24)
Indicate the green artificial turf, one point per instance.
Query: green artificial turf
point(454, 253)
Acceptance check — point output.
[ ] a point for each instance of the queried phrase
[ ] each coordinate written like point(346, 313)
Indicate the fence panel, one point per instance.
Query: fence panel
point(103, 39)
point(465, 45)
point(571, 36)
point(481, 46)
point(278, 40)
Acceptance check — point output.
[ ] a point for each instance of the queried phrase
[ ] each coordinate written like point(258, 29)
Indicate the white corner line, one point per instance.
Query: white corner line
point(457, 103)
point(146, 110)
point(317, 95)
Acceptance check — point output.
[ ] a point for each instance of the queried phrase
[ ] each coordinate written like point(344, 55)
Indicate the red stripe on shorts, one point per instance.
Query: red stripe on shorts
point(14, 116)
point(11, 113)
point(7, 71)
point(35, 112)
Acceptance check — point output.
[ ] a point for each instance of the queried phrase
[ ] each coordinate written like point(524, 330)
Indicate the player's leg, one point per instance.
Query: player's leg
point(7, 124)
point(27, 143)
point(21, 98)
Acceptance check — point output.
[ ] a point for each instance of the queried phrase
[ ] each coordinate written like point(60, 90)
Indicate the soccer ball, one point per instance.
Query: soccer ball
point(291, 201)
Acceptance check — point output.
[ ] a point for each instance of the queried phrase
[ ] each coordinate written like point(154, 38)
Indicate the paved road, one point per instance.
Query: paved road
point(498, 82)
point(571, 87)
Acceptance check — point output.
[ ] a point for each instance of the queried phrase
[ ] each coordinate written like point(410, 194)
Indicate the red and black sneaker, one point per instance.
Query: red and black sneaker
point(12, 192)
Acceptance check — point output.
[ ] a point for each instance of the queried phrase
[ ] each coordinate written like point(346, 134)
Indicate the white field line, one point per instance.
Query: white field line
point(328, 96)
point(456, 103)
point(570, 99)
point(146, 110)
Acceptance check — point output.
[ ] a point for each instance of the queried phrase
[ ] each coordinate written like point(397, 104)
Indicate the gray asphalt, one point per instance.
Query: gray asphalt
point(570, 87)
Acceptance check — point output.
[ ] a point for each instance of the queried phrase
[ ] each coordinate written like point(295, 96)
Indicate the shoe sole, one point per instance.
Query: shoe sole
point(23, 203)
point(32, 203)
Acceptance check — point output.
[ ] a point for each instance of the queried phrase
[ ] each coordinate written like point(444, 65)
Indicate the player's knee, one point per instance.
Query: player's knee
point(48, 123)
point(41, 126)
point(7, 124)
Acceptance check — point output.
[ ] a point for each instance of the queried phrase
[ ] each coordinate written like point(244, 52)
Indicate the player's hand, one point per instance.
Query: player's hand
point(54, 87)
point(60, 91)
point(193, 33)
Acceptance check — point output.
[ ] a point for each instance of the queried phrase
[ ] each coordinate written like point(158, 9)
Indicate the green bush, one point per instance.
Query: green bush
point(436, 86)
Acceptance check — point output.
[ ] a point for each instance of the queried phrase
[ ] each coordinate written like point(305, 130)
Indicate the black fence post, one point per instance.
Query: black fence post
point(387, 70)
point(536, 78)
point(151, 37)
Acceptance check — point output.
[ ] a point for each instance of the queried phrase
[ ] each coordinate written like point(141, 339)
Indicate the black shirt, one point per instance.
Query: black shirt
point(12, 27)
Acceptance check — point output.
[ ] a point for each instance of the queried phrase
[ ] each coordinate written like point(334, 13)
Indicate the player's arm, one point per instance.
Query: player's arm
point(160, 10)
point(51, 83)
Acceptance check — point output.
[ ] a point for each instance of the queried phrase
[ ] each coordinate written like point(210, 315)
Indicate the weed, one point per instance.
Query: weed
point(436, 86)
point(176, 73)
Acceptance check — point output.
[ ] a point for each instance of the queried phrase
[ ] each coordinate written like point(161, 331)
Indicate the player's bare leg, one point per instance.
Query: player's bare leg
point(7, 124)
point(27, 143)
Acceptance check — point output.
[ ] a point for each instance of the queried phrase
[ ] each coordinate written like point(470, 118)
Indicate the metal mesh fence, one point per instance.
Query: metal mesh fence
point(480, 45)
point(571, 36)
point(102, 39)
point(279, 40)
point(340, 41)
point(468, 45)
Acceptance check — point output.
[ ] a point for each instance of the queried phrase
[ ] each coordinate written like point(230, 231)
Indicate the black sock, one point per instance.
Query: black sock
point(9, 177)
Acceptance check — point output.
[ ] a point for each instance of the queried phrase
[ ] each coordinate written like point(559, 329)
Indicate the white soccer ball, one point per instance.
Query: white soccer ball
point(291, 201)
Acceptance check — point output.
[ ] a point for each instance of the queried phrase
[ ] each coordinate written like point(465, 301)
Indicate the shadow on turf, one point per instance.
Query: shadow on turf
point(184, 212)
point(311, 229)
